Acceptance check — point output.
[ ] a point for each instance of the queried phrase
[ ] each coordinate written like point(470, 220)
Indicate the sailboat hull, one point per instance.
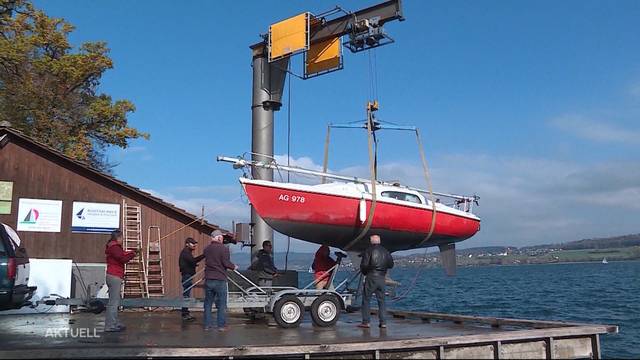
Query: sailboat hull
point(336, 220)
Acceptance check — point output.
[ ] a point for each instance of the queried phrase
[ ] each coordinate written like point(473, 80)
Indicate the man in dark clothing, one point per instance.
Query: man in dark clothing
point(218, 261)
point(264, 265)
point(188, 265)
point(376, 260)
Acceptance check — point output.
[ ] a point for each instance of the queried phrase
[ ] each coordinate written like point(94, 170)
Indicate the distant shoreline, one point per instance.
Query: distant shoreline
point(566, 262)
point(527, 264)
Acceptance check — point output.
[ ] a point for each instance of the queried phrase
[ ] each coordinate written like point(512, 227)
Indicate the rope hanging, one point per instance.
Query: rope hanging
point(200, 218)
point(425, 168)
point(374, 180)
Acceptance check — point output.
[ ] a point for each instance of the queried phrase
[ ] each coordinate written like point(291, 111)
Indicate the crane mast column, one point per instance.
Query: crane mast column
point(261, 139)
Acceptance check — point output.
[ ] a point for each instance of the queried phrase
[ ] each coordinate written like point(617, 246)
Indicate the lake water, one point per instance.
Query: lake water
point(585, 292)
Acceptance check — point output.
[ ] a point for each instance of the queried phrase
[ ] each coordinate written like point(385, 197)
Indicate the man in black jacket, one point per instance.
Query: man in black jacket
point(264, 265)
point(188, 265)
point(376, 260)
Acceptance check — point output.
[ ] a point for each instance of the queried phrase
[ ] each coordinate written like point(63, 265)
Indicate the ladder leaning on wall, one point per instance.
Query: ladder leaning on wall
point(135, 276)
point(155, 275)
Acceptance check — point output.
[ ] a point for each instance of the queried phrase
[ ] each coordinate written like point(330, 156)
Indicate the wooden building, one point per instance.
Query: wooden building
point(32, 170)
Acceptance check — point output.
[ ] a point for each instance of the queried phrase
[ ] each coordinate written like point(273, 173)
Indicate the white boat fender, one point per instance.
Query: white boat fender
point(363, 210)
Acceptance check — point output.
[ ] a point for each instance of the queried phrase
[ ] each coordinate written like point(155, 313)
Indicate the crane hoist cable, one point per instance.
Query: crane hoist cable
point(372, 78)
point(373, 153)
point(372, 169)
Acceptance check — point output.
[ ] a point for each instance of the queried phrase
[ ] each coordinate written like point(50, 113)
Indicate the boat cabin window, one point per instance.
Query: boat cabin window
point(402, 196)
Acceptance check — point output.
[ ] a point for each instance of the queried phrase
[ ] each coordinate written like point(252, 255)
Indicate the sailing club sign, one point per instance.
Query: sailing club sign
point(39, 215)
point(95, 217)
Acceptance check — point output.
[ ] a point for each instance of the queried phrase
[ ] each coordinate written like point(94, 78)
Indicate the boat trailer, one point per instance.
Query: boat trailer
point(287, 304)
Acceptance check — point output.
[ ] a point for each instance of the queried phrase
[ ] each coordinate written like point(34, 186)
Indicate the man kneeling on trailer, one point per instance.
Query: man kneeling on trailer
point(376, 260)
point(264, 265)
point(322, 262)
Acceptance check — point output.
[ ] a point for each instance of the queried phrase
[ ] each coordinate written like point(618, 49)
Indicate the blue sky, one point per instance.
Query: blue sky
point(535, 106)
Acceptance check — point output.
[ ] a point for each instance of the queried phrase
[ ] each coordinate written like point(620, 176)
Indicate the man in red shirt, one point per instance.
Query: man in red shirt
point(116, 258)
point(321, 265)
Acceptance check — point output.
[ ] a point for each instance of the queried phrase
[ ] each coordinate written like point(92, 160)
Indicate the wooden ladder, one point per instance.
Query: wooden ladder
point(155, 275)
point(135, 276)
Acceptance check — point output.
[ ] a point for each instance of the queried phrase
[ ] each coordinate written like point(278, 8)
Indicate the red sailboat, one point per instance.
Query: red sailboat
point(336, 213)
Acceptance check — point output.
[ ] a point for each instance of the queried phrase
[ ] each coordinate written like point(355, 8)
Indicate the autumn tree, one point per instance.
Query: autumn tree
point(49, 90)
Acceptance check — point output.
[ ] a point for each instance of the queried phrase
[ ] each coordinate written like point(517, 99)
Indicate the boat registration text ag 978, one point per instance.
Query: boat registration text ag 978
point(291, 198)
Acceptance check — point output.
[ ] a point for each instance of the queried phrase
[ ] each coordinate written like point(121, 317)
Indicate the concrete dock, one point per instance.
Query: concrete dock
point(409, 335)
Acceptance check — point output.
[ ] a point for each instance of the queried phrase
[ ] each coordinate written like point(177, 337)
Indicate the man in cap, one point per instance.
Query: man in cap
point(218, 261)
point(188, 265)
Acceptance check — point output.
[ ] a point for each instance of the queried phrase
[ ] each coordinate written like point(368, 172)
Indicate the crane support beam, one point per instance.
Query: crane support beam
point(343, 25)
point(384, 12)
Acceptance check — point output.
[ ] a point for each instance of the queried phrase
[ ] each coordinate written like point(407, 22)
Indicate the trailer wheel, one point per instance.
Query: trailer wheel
point(325, 310)
point(288, 311)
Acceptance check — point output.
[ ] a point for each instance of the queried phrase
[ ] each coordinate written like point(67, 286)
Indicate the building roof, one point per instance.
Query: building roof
point(7, 132)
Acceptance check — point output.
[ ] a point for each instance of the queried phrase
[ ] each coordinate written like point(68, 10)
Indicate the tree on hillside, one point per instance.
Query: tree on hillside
point(49, 91)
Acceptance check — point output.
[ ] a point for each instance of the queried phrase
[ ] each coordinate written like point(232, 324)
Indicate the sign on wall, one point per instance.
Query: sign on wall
point(6, 194)
point(95, 217)
point(39, 215)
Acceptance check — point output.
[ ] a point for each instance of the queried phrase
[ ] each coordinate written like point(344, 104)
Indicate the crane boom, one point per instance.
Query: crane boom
point(343, 25)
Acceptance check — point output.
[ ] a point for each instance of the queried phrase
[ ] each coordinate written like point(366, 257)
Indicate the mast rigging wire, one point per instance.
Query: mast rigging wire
point(286, 257)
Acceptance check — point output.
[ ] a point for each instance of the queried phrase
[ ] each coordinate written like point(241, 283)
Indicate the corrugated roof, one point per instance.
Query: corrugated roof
point(118, 183)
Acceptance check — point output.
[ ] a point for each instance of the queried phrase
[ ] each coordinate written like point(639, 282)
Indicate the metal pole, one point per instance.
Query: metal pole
point(261, 140)
point(325, 163)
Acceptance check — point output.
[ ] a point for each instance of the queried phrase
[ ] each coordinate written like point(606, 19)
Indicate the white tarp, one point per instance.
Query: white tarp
point(39, 215)
point(51, 276)
point(95, 217)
